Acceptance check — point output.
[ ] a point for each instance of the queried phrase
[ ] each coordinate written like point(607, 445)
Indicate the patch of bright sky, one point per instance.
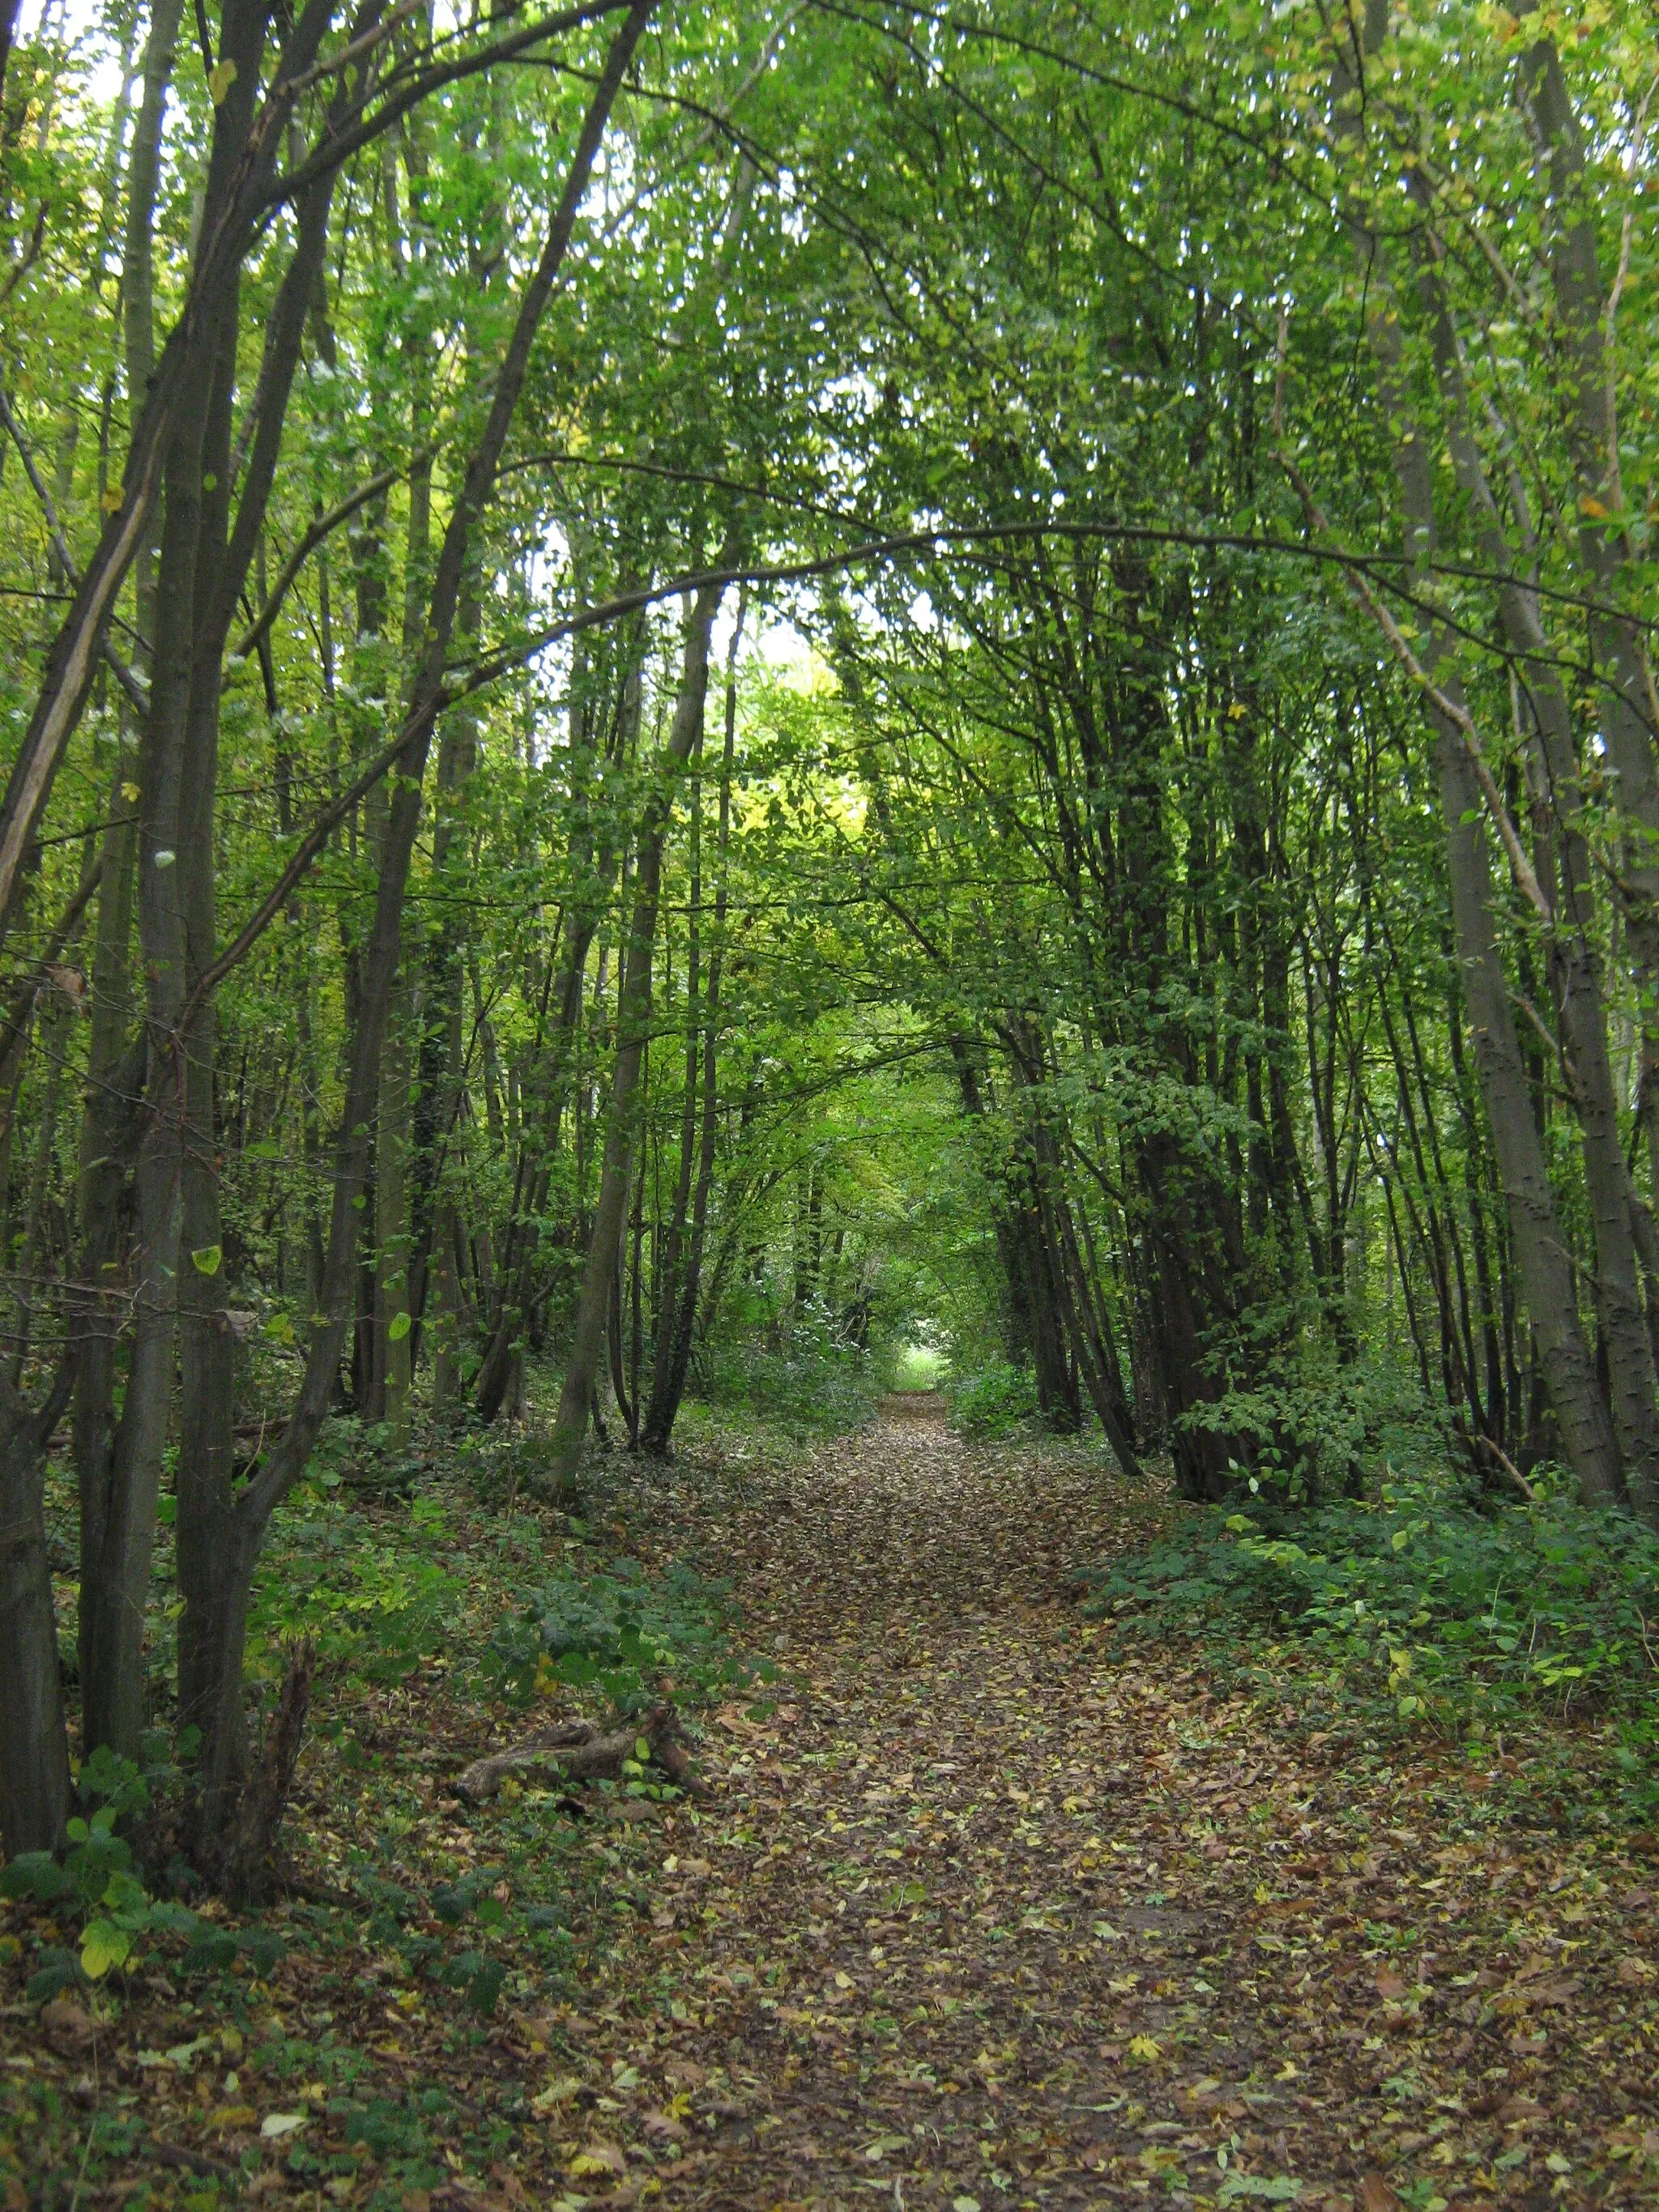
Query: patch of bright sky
point(80, 24)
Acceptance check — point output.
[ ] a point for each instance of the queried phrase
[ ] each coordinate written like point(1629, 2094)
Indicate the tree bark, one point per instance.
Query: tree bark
point(669, 1379)
point(35, 1792)
point(1547, 1276)
point(633, 1015)
point(216, 1663)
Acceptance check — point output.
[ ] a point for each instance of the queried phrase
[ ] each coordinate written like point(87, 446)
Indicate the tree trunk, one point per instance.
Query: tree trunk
point(633, 1015)
point(1547, 1277)
point(35, 1792)
point(217, 1632)
point(669, 1380)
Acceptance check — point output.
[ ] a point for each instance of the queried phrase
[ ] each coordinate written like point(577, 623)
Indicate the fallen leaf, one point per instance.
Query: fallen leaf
point(597, 2157)
point(65, 2026)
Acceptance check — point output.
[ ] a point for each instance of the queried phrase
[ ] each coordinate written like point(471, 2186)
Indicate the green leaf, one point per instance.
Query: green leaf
point(55, 1975)
point(103, 1945)
point(398, 1328)
point(206, 1262)
point(485, 1986)
point(36, 1875)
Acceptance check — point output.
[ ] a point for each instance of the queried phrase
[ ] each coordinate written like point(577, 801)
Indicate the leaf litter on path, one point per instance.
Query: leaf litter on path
point(990, 1907)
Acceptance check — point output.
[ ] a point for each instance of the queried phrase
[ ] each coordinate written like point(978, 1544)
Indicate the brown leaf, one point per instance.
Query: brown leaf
point(70, 980)
point(1376, 2196)
point(66, 2026)
point(1389, 1984)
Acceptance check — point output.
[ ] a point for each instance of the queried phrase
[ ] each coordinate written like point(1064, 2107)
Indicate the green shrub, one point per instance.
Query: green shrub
point(816, 1388)
point(371, 1607)
point(1434, 1603)
point(620, 1632)
point(991, 1401)
point(96, 1884)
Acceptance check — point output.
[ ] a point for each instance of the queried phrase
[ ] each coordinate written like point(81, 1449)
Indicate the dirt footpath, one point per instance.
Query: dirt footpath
point(994, 1911)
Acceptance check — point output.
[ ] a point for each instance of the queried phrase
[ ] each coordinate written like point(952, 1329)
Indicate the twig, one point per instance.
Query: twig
point(1510, 1469)
point(313, 537)
point(191, 2162)
point(129, 684)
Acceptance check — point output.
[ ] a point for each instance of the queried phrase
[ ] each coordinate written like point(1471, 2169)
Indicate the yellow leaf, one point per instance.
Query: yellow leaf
point(599, 2157)
point(129, 793)
point(103, 1945)
point(1145, 2048)
point(221, 78)
point(1593, 507)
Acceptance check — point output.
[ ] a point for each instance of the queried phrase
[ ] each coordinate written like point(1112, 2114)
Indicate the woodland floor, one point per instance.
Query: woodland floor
point(992, 1907)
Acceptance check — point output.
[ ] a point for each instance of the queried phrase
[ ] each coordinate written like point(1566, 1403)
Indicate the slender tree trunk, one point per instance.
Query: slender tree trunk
point(1545, 1273)
point(669, 1380)
point(1575, 962)
point(633, 1014)
point(35, 1773)
point(220, 1634)
point(240, 171)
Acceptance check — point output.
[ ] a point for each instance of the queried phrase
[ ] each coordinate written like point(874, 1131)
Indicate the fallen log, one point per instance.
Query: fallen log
point(578, 1752)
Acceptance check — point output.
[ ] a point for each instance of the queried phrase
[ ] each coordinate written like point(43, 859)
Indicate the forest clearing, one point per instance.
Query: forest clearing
point(828, 1103)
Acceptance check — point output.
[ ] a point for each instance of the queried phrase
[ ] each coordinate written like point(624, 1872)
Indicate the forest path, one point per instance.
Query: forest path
point(987, 1912)
point(985, 1905)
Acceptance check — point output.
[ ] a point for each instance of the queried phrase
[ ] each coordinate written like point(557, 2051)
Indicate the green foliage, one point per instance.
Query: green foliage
point(620, 1632)
point(372, 1606)
point(1419, 1597)
point(816, 1388)
point(991, 1401)
point(510, 1461)
point(96, 1884)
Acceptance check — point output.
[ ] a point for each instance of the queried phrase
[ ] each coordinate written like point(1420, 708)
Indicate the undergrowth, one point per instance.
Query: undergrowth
point(1422, 1608)
point(993, 1401)
point(817, 1387)
point(440, 1596)
point(628, 1635)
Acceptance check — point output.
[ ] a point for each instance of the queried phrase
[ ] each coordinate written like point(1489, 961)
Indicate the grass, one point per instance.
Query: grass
point(919, 1367)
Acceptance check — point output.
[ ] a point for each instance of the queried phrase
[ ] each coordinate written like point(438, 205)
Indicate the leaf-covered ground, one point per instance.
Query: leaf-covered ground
point(987, 1904)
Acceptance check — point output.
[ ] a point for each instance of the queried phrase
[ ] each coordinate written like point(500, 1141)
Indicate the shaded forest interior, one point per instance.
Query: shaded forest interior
point(714, 716)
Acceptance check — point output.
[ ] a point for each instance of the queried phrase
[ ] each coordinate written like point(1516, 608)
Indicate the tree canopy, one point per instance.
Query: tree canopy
point(685, 688)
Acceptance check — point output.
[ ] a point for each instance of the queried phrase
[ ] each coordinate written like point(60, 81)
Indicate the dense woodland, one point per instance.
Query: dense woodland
point(686, 686)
